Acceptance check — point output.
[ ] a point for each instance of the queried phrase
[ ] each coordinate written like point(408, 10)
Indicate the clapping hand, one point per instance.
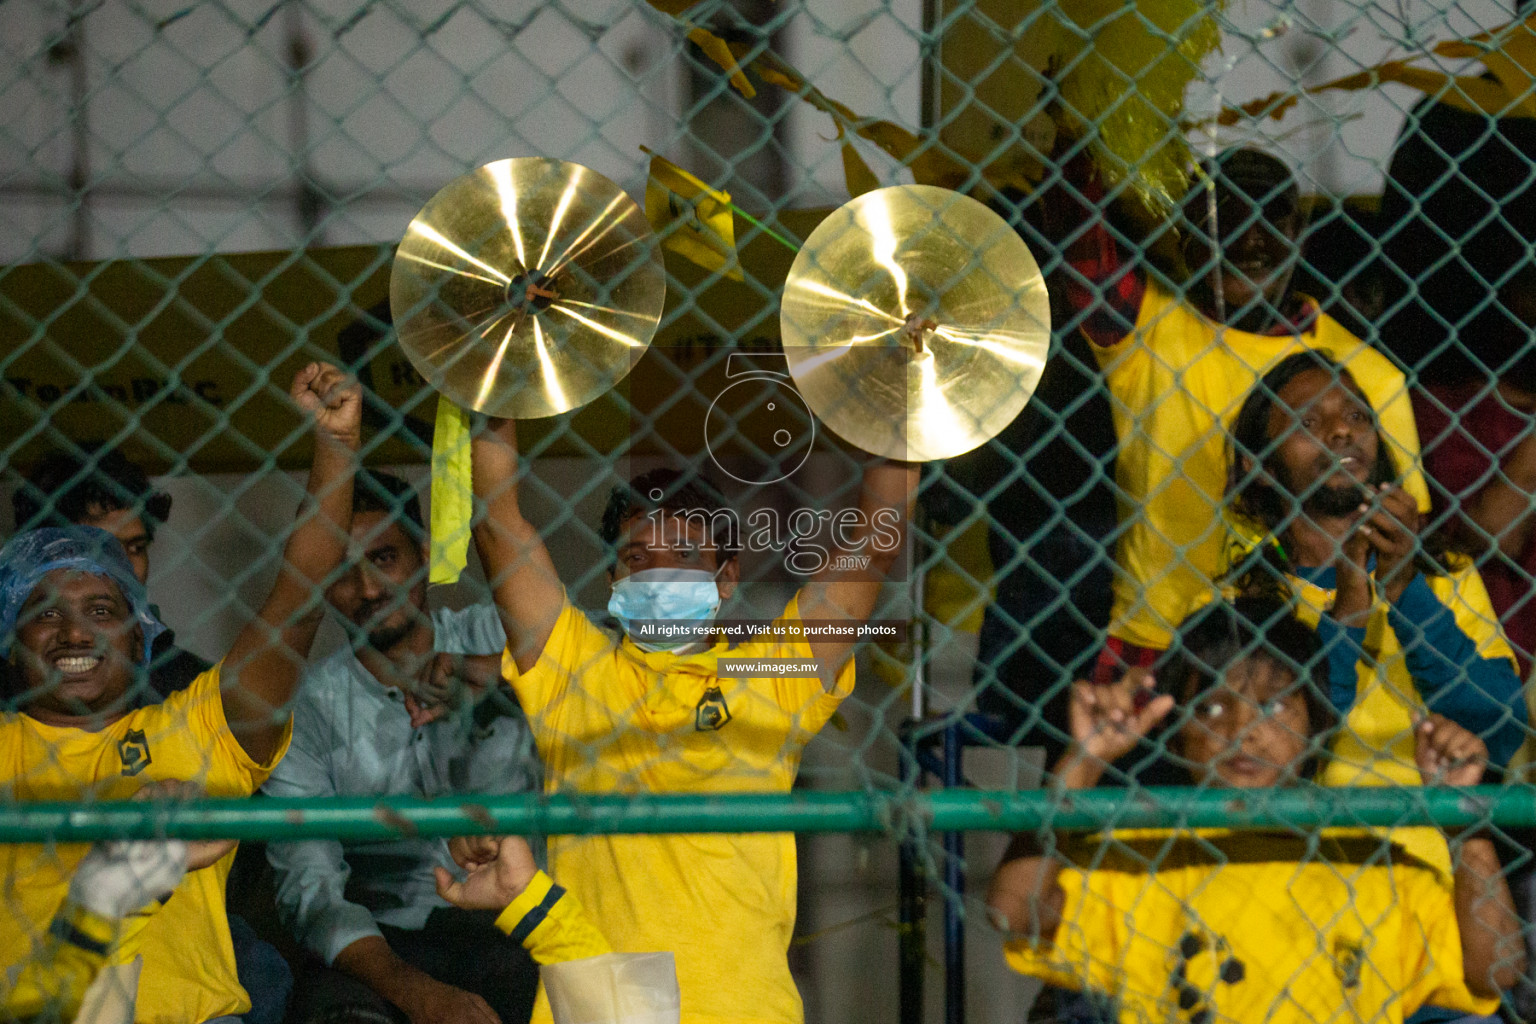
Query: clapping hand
point(446, 680)
point(1390, 526)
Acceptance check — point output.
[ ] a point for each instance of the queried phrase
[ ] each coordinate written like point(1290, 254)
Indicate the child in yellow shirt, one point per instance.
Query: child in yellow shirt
point(1249, 926)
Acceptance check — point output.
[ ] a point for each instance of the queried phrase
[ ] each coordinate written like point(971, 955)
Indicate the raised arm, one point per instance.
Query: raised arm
point(1024, 898)
point(1492, 948)
point(527, 591)
point(886, 497)
point(261, 670)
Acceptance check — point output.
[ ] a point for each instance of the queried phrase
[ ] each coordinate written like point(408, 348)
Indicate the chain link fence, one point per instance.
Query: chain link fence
point(200, 199)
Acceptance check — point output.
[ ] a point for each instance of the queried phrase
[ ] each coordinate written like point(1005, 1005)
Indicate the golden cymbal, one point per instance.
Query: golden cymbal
point(915, 322)
point(527, 288)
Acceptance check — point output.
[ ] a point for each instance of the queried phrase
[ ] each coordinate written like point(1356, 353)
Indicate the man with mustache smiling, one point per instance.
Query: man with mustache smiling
point(95, 486)
point(78, 631)
point(399, 713)
point(90, 485)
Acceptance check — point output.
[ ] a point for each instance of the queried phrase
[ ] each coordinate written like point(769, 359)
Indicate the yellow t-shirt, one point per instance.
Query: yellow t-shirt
point(1375, 747)
point(189, 963)
point(611, 718)
point(1254, 928)
point(1175, 384)
point(1376, 744)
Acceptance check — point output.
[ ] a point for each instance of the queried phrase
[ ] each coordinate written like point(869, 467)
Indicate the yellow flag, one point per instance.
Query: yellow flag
point(692, 219)
point(717, 50)
point(452, 497)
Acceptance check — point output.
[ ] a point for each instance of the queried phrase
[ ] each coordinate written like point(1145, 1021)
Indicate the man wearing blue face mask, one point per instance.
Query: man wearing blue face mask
point(664, 595)
point(650, 712)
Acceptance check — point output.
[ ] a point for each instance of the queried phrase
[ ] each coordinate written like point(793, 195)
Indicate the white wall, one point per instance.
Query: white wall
point(1339, 142)
point(192, 127)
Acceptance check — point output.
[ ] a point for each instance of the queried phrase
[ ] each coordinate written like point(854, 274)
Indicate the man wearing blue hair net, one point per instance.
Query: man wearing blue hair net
point(49, 563)
point(76, 631)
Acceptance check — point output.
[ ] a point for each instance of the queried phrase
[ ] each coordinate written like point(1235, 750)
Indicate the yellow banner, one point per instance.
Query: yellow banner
point(452, 500)
point(1508, 52)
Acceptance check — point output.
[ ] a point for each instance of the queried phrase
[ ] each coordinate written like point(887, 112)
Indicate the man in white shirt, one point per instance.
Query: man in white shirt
point(412, 708)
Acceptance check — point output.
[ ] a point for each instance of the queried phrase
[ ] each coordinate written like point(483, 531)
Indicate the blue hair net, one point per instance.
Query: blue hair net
point(30, 556)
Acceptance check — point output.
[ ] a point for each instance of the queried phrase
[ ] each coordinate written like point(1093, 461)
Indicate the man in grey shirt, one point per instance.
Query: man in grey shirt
point(414, 707)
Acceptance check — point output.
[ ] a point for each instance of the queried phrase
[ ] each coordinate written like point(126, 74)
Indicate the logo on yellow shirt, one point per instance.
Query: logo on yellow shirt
point(133, 751)
point(1348, 956)
point(711, 714)
point(1195, 988)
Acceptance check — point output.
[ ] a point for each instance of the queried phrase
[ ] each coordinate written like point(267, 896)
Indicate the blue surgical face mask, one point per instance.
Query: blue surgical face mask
point(689, 595)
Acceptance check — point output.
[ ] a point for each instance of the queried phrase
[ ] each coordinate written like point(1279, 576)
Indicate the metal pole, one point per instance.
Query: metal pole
point(309, 202)
point(954, 887)
point(912, 886)
point(919, 623)
point(912, 901)
point(69, 51)
point(356, 818)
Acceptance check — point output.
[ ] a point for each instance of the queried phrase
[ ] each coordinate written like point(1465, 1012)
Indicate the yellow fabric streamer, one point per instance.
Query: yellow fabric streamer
point(692, 219)
point(1467, 93)
point(452, 493)
point(1122, 70)
point(929, 163)
point(716, 50)
point(856, 172)
point(1508, 52)
point(713, 47)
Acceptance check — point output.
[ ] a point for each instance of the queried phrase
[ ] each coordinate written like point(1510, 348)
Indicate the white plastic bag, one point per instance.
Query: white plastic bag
point(615, 988)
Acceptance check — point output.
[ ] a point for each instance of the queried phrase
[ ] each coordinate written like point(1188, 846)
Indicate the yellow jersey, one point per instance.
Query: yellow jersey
point(1375, 746)
point(609, 717)
point(1175, 384)
point(189, 962)
point(1253, 927)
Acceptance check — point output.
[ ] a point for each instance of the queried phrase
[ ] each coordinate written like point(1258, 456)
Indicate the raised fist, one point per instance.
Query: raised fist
point(333, 399)
point(494, 881)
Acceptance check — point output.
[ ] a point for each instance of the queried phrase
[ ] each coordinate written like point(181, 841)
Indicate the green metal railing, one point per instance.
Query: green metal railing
point(362, 819)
